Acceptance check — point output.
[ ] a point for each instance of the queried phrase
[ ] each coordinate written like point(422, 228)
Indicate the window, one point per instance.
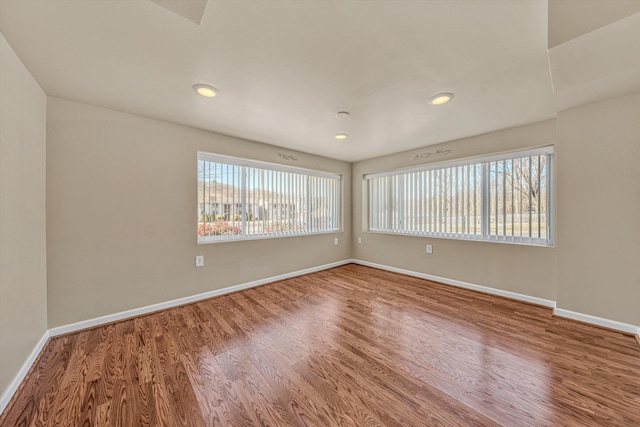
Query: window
point(243, 199)
point(504, 198)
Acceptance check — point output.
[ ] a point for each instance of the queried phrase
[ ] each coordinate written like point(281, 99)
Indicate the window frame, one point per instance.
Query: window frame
point(482, 162)
point(243, 189)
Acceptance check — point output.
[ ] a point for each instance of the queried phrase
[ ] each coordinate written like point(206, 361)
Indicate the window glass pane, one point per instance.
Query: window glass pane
point(507, 202)
point(240, 199)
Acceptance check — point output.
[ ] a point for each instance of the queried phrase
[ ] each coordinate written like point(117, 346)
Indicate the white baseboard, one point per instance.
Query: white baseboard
point(89, 323)
point(599, 321)
point(460, 284)
point(586, 318)
point(8, 393)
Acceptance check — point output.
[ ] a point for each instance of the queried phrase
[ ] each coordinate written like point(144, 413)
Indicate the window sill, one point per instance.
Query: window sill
point(209, 240)
point(467, 239)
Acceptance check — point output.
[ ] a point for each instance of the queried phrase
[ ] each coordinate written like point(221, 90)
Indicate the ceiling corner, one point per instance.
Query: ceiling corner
point(193, 10)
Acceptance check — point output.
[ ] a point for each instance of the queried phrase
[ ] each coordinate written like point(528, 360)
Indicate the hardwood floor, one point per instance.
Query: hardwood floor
point(350, 346)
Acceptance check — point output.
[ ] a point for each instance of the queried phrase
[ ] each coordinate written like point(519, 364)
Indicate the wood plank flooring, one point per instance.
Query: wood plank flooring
point(350, 346)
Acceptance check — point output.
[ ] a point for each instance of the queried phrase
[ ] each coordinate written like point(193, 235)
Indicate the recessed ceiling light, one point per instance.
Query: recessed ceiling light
point(341, 135)
point(206, 90)
point(342, 114)
point(441, 98)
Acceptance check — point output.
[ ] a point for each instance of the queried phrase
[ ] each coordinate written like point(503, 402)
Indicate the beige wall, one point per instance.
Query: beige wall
point(121, 214)
point(598, 164)
point(527, 270)
point(23, 293)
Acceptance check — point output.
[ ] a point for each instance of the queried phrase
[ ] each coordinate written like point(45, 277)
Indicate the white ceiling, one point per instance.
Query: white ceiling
point(284, 68)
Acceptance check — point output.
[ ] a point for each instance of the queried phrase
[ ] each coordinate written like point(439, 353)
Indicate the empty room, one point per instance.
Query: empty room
point(319, 213)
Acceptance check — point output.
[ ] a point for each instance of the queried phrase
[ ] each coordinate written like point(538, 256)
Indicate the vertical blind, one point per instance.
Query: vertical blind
point(499, 198)
point(244, 199)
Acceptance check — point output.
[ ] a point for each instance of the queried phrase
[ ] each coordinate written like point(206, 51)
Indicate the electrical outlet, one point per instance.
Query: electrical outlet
point(429, 249)
point(335, 241)
point(359, 239)
point(199, 261)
